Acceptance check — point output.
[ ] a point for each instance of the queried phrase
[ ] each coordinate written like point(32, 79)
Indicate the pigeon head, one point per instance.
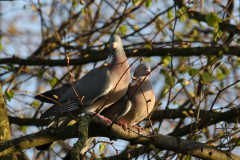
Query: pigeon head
point(115, 46)
point(142, 70)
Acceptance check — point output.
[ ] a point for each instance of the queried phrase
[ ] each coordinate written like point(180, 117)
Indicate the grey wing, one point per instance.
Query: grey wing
point(48, 96)
point(118, 109)
point(92, 86)
point(126, 108)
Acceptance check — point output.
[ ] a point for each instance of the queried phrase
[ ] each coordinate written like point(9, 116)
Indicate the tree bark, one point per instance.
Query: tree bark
point(5, 133)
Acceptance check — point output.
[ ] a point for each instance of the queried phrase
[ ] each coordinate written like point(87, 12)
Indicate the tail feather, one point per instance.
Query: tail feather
point(63, 108)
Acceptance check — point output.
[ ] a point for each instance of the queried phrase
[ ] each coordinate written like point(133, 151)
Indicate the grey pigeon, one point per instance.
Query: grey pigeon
point(96, 86)
point(128, 112)
point(135, 109)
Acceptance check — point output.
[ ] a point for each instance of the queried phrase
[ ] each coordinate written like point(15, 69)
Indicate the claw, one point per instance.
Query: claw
point(138, 128)
point(124, 125)
point(102, 118)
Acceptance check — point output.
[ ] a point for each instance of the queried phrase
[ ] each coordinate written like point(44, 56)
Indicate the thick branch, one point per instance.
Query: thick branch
point(157, 115)
point(95, 55)
point(96, 128)
point(83, 136)
point(29, 121)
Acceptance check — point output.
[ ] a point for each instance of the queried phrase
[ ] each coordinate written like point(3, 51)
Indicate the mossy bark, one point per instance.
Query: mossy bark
point(5, 133)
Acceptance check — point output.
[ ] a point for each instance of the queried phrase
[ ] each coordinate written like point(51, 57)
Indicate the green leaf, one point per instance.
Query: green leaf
point(35, 104)
point(166, 61)
point(134, 2)
point(213, 20)
point(163, 72)
point(170, 14)
point(82, 11)
point(102, 147)
point(188, 158)
point(217, 34)
point(148, 3)
point(148, 46)
point(11, 67)
point(123, 29)
point(164, 91)
point(1, 47)
point(226, 49)
point(183, 69)
point(74, 4)
point(213, 59)
point(147, 59)
point(217, 64)
point(40, 73)
point(181, 80)
point(211, 93)
point(219, 75)
point(193, 72)
point(224, 70)
point(53, 81)
point(182, 12)
point(170, 80)
point(205, 77)
point(22, 128)
point(4, 67)
point(9, 94)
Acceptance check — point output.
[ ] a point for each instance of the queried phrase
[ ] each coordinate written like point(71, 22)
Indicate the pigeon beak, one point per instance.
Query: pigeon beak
point(148, 72)
point(114, 45)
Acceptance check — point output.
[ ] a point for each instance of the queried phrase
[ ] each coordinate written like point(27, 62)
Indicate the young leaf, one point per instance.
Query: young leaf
point(193, 72)
point(182, 12)
point(166, 61)
point(123, 29)
point(1, 47)
point(11, 66)
point(170, 14)
point(224, 70)
point(170, 80)
point(53, 81)
point(35, 104)
point(148, 3)
point(40, 73)
point(74, 4)
point(205, 77)
point(22, 128)
point(163, 72)
point(148, 46)
point(134, 2)
point(102, 147)
point(183, 69)
point(217, 34)
point(213, 20)
point(9, 94)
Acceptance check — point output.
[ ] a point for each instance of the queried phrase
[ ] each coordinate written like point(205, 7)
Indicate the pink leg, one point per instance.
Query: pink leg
point(124, 125)
point(102, 118)
point(138, 128)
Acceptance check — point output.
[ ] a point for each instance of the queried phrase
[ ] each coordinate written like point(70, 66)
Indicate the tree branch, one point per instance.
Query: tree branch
point(170, 114)
point(96, 128)
point(95, 55)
